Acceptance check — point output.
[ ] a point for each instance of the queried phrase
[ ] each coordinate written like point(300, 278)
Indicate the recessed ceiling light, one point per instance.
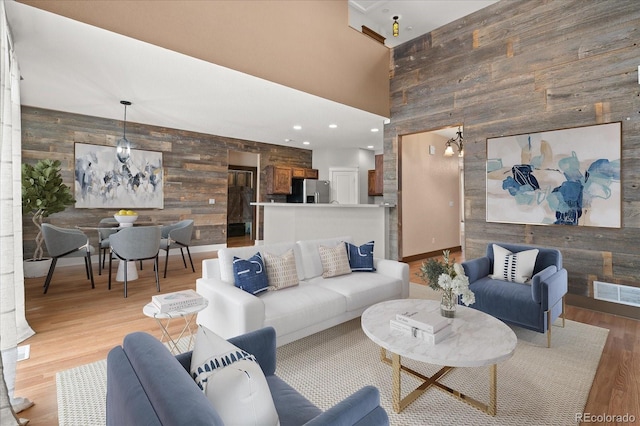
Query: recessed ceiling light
point(375, 129)
point(306, 143)
point(288, 140)
point(297, 127)
point(370, 146)
point(333, 126)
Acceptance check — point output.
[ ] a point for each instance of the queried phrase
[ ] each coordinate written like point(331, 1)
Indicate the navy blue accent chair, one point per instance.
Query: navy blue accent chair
point(534, 305)
point(146, 385)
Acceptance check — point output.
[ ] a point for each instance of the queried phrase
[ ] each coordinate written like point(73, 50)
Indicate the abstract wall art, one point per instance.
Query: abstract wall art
point(102, 181)
point(559, 177)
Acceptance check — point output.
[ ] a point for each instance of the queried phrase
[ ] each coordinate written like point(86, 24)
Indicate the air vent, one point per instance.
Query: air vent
point(617, 293)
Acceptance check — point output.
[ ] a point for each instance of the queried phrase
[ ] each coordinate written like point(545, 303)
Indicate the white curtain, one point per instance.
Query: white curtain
point(13, 323)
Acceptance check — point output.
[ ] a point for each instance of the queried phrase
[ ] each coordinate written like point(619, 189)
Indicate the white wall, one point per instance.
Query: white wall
point(363, 159)
point(367, 162)
point(430, 195)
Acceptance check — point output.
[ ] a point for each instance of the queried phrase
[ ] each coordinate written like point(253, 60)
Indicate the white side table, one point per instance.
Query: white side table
point(164, 320)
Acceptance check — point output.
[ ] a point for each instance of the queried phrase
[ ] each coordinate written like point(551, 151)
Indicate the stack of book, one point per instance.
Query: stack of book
point(429, 327)
point(177, 300)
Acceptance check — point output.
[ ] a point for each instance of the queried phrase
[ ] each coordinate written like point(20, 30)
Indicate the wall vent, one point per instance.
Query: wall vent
point(617, 293)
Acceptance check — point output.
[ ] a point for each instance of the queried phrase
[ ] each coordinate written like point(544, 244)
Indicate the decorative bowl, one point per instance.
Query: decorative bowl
point(125, 220)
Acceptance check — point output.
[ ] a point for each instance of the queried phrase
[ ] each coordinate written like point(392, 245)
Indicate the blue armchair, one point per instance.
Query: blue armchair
point(147, 385)
point(534, 305)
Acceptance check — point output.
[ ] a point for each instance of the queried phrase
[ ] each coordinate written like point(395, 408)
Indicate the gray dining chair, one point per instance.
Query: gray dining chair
point(66, 242)
point(108, 226)
point(177, 235)
point(132, 244)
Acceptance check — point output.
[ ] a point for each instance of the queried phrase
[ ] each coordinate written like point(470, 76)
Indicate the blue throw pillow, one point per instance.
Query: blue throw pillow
point(361, 258)
point(250, 275)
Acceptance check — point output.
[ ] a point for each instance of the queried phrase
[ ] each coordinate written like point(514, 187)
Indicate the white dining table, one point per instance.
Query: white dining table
point(132, 268)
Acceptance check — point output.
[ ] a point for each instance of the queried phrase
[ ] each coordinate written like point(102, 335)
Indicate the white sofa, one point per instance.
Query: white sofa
point(315, 304)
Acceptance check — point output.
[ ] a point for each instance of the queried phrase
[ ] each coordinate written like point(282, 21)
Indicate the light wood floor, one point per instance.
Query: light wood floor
point(76, 325)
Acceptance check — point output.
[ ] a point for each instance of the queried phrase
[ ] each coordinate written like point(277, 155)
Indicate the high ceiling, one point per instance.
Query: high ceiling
point(73, 67)
point(415, 17)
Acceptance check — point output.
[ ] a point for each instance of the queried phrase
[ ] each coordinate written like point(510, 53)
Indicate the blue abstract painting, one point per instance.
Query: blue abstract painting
point(103, 181)
point(559, 177)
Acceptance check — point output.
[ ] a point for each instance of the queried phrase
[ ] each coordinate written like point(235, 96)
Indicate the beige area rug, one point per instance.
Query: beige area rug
point(537, 386)
point(82, 393)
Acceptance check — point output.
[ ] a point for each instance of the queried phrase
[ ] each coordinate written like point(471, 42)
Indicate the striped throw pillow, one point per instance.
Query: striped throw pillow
point(513, 267)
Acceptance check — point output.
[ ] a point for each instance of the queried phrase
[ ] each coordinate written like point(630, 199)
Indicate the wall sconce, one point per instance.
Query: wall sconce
point(396, 27)
point(458, 142)
point(123, 147)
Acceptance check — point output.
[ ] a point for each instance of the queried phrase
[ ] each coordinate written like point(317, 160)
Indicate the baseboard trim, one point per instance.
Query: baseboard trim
point(603, 306)
point(74, 261)
point(427, 255)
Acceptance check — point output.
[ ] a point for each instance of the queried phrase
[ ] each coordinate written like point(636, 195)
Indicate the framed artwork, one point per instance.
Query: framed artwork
point(102, 181)
point(559, 177)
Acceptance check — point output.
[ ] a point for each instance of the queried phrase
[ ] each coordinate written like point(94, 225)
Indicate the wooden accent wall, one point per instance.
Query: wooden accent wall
point(528, 66)
point(195, 168)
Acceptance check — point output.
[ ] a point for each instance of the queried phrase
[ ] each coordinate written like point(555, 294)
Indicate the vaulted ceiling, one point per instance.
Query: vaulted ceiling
point(70, 66)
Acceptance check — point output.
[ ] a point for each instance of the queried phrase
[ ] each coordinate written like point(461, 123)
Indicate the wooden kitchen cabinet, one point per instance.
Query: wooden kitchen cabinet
point(375, 177)
point(278, 180)
point(301, 173)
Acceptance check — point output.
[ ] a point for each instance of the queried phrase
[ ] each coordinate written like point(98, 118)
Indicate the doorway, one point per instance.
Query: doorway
point(242, 188)
point(430, 195)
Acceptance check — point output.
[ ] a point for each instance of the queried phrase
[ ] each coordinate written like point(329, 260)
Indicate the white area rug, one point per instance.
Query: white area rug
point(82, 394)
point(537, 386)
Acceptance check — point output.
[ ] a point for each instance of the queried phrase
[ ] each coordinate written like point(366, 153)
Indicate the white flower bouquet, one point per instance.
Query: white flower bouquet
point(447, 276)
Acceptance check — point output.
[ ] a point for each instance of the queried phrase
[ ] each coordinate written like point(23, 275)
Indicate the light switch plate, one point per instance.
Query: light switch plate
point(212, 201)
point(432, 150)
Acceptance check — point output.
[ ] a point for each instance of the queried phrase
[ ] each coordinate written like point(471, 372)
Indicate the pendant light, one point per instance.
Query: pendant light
point(396, 27)
point(123, 147)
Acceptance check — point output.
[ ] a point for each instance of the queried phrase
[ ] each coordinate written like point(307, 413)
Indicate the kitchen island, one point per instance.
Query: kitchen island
point(284, 222)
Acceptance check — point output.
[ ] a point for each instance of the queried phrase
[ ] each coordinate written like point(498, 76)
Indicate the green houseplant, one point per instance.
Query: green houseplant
point(449, 277)
point(43, 193)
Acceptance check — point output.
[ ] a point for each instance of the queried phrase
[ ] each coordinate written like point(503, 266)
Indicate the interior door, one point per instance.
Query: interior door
point(344, 185)
point(243, 187)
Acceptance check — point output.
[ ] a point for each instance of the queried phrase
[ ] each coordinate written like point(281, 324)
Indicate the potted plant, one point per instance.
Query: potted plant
point(449, 277)
point(43, 193)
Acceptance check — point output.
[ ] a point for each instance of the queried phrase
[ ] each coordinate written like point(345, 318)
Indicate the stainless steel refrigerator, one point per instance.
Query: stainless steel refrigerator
point(316, 191)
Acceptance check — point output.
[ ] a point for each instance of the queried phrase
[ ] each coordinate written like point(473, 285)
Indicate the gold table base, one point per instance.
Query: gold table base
point(400, 403)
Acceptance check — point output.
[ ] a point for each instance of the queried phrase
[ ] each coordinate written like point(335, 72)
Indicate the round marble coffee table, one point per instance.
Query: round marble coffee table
point(477, 340)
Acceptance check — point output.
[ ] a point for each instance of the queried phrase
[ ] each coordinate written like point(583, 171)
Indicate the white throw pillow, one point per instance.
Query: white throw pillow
point(232, 381)
point(513, 267)
point(334, 261)
point(281, 270)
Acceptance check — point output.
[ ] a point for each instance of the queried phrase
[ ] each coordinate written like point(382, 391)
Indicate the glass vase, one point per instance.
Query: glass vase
point(448, 304)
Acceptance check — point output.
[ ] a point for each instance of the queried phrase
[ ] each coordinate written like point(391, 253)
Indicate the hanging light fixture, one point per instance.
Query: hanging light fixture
point(123, 147)
point(396, 27)
point(458, 142)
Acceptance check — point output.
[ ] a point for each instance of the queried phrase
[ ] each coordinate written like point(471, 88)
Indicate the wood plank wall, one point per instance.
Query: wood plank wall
point(195, 168)
point(528, 66)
